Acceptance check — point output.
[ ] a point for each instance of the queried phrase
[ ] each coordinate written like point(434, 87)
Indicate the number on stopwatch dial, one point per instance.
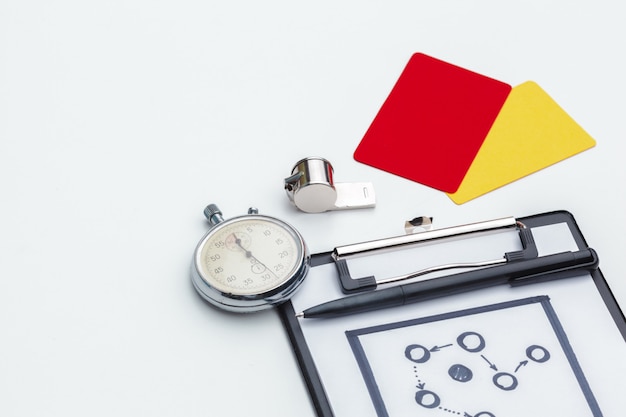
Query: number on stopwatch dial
point(250, 256)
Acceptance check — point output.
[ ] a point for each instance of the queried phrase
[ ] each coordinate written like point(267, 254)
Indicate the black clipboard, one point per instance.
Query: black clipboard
point(314, 381)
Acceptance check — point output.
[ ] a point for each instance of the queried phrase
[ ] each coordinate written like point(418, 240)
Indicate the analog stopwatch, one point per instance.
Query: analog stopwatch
point(248, 263)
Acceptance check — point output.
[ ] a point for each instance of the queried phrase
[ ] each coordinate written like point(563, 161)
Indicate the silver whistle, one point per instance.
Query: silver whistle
point(312, 189)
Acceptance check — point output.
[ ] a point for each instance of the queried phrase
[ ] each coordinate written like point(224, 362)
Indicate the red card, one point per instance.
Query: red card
point(433, 123)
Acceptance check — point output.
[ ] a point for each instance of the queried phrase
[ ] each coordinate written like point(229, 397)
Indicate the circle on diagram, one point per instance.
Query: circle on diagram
point(471, 341)
point(505, 381)
point(537, 353)
point(417, 353)
point(427, 399)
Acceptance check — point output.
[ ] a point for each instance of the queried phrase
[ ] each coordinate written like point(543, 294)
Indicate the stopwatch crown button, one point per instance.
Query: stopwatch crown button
point(213, 214)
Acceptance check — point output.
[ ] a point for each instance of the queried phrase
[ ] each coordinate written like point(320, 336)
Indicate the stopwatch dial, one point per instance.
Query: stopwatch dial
point(250, 256)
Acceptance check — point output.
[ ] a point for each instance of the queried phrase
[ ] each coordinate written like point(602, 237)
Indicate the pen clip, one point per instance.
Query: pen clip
point(351, 285)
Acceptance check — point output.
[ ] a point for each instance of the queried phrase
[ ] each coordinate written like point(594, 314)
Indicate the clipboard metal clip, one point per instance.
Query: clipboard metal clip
point(351, 285)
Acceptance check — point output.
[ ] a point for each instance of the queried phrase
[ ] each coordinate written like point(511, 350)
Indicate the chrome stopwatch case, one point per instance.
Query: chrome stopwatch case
point(248, 263)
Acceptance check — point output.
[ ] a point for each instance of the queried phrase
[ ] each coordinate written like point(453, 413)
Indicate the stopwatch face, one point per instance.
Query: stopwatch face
point(250, 262)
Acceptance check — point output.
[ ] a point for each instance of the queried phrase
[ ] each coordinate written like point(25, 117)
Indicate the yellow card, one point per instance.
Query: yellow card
point(530, 133)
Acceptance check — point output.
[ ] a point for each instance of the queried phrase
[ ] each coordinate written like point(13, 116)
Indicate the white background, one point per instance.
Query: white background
point(121, 120)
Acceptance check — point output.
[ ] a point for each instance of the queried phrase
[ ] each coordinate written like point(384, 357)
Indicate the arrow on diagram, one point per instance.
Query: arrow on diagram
point(491, 365)
point(438, 348)
point(522, 363)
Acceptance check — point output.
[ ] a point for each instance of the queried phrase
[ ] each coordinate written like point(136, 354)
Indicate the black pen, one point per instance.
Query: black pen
point(515, 273)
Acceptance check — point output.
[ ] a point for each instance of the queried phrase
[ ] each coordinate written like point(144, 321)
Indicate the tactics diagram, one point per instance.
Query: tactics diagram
point(501, 360)
point(470, 342)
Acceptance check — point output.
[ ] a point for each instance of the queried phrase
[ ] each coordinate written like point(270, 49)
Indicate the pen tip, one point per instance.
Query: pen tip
point(300, 315)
